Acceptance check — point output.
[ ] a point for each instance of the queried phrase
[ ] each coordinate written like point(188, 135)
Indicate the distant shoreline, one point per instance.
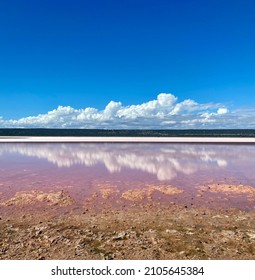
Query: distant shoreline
point(97, 139)
point(49, 132)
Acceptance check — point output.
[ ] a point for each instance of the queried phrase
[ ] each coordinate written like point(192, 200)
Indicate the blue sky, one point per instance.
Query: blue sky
point(85, 54)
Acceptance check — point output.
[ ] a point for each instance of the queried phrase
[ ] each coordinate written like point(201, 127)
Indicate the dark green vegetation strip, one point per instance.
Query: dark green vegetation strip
point(128, 133)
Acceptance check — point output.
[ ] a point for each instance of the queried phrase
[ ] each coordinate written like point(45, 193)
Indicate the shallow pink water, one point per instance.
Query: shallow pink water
point(82, 169)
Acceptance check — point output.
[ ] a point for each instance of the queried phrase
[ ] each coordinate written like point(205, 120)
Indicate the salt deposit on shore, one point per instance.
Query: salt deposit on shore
point(14, 139)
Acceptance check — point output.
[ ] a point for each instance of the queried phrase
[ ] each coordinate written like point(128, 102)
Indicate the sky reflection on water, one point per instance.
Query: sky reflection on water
point(165, 161)
point(193, 174)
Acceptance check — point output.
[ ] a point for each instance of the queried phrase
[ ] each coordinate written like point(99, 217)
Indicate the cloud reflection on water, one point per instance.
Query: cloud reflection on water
point(163, 160)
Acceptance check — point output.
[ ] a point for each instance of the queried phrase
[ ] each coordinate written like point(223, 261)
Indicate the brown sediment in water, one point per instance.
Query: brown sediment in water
point(140, 194)
point(107, 190)
point(232, 189)
point(134, 195)
point(27, 198)
point(138, 230)
point(167, 190)
point(106, 193)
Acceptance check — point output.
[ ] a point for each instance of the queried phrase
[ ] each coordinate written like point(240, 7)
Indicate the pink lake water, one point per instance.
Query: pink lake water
point(105, 172)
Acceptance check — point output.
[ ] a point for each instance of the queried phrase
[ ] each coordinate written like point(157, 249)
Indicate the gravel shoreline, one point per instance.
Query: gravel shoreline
point(139, 232)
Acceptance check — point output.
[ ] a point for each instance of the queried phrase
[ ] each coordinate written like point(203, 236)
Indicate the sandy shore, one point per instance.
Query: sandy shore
point(17, 139)
point(147, 232)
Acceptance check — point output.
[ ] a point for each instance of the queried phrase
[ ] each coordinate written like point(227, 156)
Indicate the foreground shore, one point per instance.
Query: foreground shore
point(66, 216)
point(28, 139)
point(139, 232)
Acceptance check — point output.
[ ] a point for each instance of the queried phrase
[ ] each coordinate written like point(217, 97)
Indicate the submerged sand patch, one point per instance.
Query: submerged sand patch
point(28, 198)
point(232, 189)
point(167, 190)
point(134, 195)
point(228, 189)
point(140, 194)
point(106, 190)
point(106, 193)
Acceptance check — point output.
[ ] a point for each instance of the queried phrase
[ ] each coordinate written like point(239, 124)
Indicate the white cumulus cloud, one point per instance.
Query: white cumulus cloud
point(164, 112)
point(221, 111)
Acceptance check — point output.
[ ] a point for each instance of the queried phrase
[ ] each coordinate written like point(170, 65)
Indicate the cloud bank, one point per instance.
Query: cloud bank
point(165, 112)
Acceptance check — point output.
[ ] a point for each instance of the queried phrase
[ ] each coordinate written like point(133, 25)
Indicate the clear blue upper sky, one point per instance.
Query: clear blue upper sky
point(85, 53)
